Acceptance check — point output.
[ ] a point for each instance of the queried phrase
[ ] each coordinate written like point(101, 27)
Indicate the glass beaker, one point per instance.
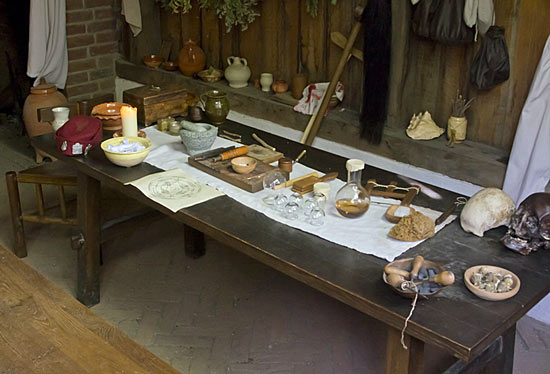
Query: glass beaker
point(352, 200)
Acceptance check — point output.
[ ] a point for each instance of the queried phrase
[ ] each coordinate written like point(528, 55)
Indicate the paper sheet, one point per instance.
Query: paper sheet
point(367, 234)
point(174, 189)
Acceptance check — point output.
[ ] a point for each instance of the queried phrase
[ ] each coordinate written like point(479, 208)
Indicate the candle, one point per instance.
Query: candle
point(129, 121)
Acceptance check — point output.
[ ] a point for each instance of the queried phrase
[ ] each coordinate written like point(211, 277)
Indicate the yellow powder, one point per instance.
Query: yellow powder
point(413, 227)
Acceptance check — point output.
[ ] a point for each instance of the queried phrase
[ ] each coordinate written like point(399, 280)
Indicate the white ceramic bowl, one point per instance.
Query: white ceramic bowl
point(126, 159)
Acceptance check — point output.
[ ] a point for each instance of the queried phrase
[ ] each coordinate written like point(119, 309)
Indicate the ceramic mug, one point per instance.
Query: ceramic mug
point(266, 79)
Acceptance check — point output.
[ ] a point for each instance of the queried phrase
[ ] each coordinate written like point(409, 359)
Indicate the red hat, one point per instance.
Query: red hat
point(78, 135)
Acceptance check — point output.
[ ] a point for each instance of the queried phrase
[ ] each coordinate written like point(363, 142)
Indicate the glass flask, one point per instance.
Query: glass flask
point(270, 181)
point(352, 200)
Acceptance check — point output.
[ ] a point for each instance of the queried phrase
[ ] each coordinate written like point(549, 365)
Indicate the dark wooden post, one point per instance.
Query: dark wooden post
point(194, 242)
point(20, 248)
point(88, 207)
point(400, 360)
point(504, 362)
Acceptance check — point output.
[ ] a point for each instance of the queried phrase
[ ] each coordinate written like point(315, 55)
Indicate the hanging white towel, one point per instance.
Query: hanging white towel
point(529, 166)
point(47, 42)
point(131, 11)
point(480, 13)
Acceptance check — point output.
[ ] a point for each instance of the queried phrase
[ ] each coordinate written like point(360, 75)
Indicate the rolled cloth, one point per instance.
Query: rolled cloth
point(376, 69)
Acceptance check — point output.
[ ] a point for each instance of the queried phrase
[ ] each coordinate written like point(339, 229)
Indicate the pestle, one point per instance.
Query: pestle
point(195, 127)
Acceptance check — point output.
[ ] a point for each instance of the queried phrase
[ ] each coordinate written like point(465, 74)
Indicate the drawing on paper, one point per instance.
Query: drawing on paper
point(174, 187)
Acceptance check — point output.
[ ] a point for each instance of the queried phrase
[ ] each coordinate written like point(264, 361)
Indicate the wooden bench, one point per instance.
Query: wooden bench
point(45, 330)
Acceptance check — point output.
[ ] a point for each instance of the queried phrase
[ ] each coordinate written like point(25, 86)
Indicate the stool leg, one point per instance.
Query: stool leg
point(20, 249)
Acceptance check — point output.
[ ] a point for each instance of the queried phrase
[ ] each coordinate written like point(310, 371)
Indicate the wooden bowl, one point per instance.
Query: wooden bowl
point(406, 264)
point(153, 61)
point(243, 164)
point(170, 66)
point(210, 75)
point(491, 296)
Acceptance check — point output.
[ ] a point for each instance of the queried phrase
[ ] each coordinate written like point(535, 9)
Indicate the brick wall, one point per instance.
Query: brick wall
point(93, 36)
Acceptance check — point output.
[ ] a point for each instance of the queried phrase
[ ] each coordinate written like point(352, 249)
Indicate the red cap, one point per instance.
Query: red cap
point(78, 135)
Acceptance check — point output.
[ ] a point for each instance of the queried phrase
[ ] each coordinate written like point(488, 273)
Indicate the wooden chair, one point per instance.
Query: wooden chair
point(59, 174)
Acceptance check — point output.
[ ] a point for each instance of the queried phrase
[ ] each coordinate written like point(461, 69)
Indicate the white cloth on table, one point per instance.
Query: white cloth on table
point(529, 165)
point(131, 11)
point(368, 234)
point(47, 42)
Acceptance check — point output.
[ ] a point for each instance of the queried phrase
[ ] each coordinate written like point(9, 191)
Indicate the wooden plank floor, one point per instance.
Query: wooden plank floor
point(44, 330)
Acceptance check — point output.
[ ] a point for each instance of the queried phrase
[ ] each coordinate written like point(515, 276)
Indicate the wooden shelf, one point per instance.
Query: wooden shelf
point(470, 161)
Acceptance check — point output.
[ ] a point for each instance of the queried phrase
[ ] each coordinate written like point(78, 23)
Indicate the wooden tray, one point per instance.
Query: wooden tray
point(263, 154)
point(252, 182)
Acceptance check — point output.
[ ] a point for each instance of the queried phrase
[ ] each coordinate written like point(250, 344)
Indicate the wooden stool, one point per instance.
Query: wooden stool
point(54, 173)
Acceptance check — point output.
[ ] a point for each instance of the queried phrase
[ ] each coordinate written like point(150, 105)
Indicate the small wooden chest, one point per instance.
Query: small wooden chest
point(155, 102)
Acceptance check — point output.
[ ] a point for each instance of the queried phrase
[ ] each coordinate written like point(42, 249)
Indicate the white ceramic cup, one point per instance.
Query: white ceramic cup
point(266, 80)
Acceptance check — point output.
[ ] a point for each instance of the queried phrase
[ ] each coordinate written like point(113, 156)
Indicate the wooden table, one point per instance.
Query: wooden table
point(471, 329)
point(45, 330)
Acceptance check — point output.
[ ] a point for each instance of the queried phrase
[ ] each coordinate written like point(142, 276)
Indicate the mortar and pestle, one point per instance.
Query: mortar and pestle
point(197, 137)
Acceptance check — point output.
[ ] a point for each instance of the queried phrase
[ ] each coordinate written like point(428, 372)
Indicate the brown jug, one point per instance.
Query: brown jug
point(42, 96)
point(192, 58)
point(216, 106)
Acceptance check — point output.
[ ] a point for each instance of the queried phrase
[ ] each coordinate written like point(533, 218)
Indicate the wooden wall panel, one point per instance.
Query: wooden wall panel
point(424, 75)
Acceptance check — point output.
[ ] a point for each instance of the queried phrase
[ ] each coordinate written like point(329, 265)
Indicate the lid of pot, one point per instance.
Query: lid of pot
point(43, 88)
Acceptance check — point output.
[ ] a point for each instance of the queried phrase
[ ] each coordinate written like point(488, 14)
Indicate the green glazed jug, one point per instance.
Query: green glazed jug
point(216, 106)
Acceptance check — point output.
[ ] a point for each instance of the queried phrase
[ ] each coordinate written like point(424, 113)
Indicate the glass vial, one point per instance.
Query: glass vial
point(352, 200)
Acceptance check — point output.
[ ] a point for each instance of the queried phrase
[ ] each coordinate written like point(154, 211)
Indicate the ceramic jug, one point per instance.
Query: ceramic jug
point(61, 115)
point(216, 106)
point(191, 58)
point(237, 72)
point(42, 96)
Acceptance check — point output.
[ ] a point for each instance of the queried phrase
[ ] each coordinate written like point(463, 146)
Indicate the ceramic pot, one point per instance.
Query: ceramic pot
point(280, 86)
point(266, 80)
point(216, 106)
point(237, 72)
point(297, 85)
point(456, 129)
point(61, 115)
point(42, 96)
point(191, 58)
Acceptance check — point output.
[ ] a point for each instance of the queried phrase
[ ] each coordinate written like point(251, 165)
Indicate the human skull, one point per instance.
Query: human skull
point(529, 228)
point(487, 209)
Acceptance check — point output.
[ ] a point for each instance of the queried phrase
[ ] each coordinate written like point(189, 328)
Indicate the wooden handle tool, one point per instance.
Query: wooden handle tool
point(263, 143)
point(395, 270)
point(395, 280)
point(231, 154)
point(292, 181)
point(445, 278)
point(300, 155)
point(416, 265)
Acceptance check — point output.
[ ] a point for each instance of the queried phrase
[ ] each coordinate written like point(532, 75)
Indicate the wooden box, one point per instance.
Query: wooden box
point(155, 102)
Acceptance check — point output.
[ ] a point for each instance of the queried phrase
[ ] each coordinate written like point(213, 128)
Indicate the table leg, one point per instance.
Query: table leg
point(400, 360)
point(88, 212)
point(194, 242)
point(504, 362)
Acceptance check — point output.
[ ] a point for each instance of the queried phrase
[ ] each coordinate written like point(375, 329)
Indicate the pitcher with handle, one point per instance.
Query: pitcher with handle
point(216, 106)
point(237, 72)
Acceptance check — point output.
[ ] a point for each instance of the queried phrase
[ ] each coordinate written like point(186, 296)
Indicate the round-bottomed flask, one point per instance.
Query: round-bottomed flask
point(352, 200)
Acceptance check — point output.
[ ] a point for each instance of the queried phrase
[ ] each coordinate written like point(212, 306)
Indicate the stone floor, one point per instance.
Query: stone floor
point(223, 313)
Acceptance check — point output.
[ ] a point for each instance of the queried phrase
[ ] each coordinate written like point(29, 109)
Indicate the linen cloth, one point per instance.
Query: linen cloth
point(367, 234)
point(131, 10)
point(528, 169)
point(47, 42)
point(312, 97)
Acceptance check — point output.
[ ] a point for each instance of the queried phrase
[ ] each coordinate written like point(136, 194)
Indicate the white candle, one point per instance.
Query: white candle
point(129, 121)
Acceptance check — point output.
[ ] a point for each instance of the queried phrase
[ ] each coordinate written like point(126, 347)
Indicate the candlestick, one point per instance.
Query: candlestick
point(129, 121)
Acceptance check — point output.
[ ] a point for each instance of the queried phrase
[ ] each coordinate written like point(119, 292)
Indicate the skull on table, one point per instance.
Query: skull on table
point(529, 228)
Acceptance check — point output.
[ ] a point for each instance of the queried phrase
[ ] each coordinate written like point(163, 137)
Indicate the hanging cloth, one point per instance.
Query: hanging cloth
point(131, 10)
point(480, 13)
point(529, 166)
point(47, 42)
point(376, 69)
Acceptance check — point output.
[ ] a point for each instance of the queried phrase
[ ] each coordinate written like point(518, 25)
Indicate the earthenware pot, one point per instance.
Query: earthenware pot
point(216, 106)
point(237, 72)
point(42, 96)
point(456, 129)
point(297, 85)
point(266, 80)
point(280, 86)
point(191, 58)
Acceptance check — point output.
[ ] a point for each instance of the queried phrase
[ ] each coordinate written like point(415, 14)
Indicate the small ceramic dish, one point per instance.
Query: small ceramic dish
point(210, 75)
point(108, 110)
point(491, 296)
point(153, 61)
point(141, 134)
point(243, 164)
point(126, 159)
point(406, 264)
point(170, 66)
